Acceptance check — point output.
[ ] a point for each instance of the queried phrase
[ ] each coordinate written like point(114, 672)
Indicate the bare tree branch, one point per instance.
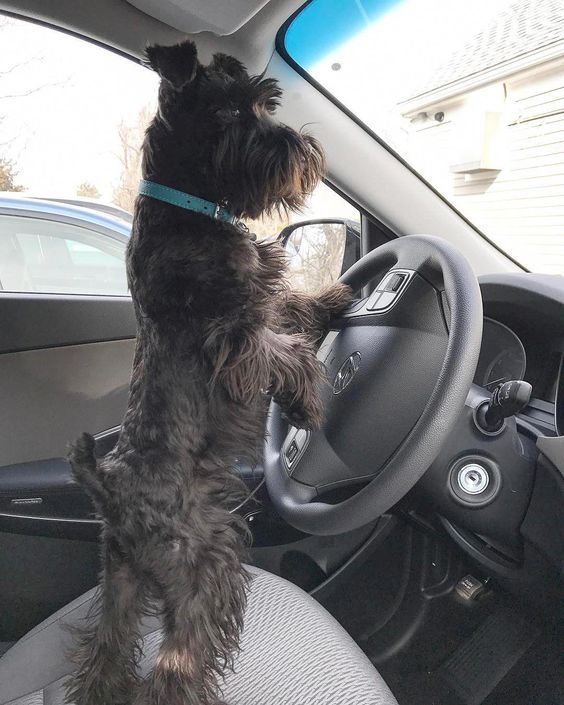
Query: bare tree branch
point(130, 156)
point(36, 89)
point(20, 65)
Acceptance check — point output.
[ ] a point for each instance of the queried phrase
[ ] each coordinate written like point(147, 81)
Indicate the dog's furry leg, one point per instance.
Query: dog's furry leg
point(296, 379)
point(283, 364)
point(311, 313)
point(298, 311)
point(85, 468)
point(105, 655)
point(200, 637)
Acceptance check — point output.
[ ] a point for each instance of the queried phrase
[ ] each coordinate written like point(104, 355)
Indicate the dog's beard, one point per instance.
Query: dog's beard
point(266, 170)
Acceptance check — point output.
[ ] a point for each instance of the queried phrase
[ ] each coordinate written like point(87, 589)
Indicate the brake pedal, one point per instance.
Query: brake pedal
point(470, 589)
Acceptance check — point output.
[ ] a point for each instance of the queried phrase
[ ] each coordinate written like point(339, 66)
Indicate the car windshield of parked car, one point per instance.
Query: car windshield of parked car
point(469, 94)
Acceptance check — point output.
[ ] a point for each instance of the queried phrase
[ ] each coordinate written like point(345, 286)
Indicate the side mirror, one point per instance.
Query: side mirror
point(320, 251)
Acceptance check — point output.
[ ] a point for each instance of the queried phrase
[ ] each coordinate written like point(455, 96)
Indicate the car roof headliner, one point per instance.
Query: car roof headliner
point(191, 16)
point(120, 25)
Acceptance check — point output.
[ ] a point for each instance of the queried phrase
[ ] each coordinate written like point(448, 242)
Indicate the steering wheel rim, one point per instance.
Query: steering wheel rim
point(441, 265)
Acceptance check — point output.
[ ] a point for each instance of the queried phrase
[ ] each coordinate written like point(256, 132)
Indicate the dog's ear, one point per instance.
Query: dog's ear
point(176, 64)
point(228, 65)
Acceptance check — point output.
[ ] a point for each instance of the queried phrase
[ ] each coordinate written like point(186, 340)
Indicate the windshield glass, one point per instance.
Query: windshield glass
point(470, 94)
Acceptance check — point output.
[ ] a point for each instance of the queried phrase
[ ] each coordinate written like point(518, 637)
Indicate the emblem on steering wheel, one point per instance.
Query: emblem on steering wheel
point(346, 373)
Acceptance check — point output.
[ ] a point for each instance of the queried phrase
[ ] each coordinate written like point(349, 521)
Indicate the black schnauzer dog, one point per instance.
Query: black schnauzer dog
point(219, 333)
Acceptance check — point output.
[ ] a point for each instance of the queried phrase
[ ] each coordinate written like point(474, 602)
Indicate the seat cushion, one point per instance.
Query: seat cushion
point(293, 653)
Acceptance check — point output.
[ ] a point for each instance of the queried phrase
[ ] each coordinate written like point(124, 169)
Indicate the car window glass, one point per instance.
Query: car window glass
point(51, 257)
point(87, 152)
point(72, 117)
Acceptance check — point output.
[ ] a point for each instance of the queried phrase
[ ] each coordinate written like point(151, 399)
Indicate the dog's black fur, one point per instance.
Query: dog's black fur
point(218, 328)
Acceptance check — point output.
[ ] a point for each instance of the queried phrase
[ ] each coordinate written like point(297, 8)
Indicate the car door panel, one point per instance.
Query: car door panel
point(65, 364)
point(57, 393)
point(40, 498)
point(32, 321)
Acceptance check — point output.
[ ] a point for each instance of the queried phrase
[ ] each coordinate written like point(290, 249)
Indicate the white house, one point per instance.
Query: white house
point(488, 131)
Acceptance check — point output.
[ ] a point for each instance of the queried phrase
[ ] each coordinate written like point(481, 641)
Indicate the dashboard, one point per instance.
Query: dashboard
point(502, 356)
point(513, 527)
point(523, 338)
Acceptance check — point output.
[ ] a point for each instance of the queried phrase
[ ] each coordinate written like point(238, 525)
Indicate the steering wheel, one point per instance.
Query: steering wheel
point(399, 365)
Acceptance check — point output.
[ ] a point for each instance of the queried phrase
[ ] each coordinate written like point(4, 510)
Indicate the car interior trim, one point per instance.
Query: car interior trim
point(35, 321)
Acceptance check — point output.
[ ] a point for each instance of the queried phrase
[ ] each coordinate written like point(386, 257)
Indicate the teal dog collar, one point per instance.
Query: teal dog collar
point(185, 200)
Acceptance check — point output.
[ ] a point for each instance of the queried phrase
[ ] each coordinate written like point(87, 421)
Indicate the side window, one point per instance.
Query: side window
point(47, 256)
point(322, 242)
point(72, 116)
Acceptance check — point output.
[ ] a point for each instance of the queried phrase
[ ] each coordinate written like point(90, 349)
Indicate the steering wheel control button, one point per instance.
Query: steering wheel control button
point(294, 446)
point(372, 302)
point(394, 282)
point(473, 478)
point(474, 481)
point(346, 372)
point(385, 300)
point(292, 452)
point(388, 290)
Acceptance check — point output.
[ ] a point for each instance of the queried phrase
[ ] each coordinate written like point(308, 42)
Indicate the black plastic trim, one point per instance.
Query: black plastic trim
point(382, 529)
point(34, 321)
point(34, 477)
point(75, 529)
point(479, 550)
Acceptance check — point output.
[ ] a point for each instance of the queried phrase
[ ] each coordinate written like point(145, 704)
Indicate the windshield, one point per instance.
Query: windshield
point(470, 94)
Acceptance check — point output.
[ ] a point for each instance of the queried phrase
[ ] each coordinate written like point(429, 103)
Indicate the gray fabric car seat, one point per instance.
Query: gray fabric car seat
point(293, 653)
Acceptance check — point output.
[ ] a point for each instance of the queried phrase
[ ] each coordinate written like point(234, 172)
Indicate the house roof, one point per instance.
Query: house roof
point(523, 28)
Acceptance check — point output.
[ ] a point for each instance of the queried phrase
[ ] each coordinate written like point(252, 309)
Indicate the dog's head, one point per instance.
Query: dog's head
point(215, 131)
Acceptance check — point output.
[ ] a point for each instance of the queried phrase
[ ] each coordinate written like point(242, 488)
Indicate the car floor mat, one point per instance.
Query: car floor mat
point(481, 661)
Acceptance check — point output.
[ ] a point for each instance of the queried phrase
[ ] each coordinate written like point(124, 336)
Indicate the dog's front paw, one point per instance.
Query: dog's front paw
point(301, 414)
point(334, 299)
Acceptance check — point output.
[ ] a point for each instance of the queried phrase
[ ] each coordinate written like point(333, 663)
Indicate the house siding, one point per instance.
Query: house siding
point(521, 206)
